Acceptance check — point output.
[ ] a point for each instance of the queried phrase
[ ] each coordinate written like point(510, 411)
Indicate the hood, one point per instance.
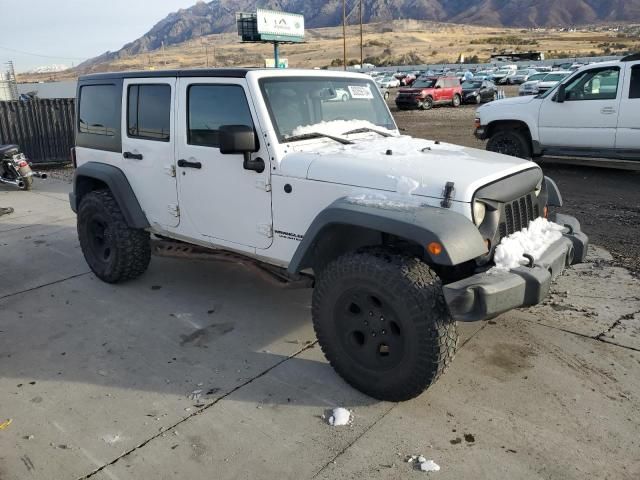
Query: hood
point(413, 90)
point(508, 101)
point(413, 166)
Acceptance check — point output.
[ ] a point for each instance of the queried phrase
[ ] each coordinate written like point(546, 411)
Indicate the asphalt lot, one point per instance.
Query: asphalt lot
point(98, 380)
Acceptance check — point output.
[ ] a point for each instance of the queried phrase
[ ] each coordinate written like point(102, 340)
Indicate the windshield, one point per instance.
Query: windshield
point(537, 76)
point(296, 102)
point(424, 83)
point(554, 77)
point(469, 85)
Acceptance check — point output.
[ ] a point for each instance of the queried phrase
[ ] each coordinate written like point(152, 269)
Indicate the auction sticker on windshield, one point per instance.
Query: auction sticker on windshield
point(360, 91)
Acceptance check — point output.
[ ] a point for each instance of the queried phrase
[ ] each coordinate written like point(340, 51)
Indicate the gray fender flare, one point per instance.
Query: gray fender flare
point(85, 179)
point(421, 224)
point(554, 198)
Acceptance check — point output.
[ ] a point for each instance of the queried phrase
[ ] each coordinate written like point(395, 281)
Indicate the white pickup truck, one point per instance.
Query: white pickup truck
point(594, 112)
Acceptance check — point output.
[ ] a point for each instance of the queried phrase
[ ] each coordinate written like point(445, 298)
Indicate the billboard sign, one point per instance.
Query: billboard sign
point(280, 26)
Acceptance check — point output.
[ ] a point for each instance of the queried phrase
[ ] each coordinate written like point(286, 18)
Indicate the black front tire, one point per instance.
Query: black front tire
point(427, 104)
point(114, 251)
point(383, 324)
point(456, 100)
point(510, 142)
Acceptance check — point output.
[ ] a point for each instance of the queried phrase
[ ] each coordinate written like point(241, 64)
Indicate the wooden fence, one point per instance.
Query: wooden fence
point(42, 128)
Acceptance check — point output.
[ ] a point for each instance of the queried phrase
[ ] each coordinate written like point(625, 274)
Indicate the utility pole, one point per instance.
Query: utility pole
point(344, 34)
point(361, 44)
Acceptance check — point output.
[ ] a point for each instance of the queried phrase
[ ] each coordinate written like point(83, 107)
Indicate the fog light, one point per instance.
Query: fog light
point(434, 248)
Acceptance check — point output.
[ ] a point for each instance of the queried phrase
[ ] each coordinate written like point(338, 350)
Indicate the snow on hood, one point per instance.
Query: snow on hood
point(336, 128)
point(402, 164)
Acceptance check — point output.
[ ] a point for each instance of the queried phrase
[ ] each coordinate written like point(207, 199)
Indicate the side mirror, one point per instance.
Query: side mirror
point(241, 139)
point(561, 96)
point(438, 86)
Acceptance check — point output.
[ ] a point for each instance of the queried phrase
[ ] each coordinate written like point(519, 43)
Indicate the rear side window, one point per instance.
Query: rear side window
point(212, 106)
point(149, 112)
point(634, 88)
point(99, 112)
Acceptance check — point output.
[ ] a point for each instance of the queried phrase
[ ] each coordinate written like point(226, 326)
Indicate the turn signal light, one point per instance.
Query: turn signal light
point(434, 248)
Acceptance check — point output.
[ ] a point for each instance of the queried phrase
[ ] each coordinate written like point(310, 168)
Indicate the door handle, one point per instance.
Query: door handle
point(607, 110)
point(186, 164)
point(132, 156)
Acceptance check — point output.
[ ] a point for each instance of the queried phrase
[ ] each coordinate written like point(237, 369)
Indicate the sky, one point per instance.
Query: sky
point(45, 32)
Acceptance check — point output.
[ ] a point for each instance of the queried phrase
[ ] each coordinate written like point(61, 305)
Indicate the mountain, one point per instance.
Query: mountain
point(218, 16)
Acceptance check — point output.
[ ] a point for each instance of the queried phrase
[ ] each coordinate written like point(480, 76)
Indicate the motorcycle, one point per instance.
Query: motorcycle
point(15, 169)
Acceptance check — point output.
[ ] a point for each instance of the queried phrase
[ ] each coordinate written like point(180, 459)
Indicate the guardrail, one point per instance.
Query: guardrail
point(42, 128)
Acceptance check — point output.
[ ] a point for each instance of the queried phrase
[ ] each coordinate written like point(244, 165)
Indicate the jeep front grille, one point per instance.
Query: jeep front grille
point(518, 214)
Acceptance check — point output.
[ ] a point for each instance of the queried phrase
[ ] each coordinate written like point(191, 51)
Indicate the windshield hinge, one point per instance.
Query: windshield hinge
point(447, 195)
point(263, 185)
point(174, 209)
point(265, 229)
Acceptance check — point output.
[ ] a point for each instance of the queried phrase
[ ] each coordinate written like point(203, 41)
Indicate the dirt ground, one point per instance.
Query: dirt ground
point(606, 201)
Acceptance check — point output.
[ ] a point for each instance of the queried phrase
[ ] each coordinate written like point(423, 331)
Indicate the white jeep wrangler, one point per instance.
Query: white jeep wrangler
point(395, 234)
point(595, 112)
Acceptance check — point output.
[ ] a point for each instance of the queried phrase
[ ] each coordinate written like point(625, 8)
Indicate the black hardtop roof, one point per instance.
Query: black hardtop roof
point(190, 72)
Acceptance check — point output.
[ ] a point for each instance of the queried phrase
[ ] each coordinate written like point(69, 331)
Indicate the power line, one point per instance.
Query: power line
point(39, 54)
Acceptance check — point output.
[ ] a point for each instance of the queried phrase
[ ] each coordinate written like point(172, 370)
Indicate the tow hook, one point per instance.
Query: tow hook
point(530, 258)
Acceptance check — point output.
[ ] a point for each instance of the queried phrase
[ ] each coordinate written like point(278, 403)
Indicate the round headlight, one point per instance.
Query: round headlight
point(479, 211)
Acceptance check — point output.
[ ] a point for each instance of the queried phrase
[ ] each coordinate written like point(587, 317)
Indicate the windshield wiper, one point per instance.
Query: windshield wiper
point(307, 136)
point(367, 129)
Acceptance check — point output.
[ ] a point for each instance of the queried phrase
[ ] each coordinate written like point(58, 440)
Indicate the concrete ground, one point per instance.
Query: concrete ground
point(98, 380)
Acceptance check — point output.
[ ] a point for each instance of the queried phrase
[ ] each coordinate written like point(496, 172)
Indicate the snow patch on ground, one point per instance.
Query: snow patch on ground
point(340, 416)
point(423, 464)
point(429, 466)
point(533, 240)
point(335, 128)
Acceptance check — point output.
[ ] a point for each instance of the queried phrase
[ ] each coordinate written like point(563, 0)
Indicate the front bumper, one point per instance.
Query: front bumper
point(480, 132)
point(409, 101)
point(485, 295)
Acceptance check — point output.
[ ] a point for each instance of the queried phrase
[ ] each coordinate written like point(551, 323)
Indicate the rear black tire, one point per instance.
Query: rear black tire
point(114, 251)
point(456, 100)
point(383, 324)
point(510, 142)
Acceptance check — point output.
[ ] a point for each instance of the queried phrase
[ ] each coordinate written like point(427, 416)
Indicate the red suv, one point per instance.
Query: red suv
point(426, 92)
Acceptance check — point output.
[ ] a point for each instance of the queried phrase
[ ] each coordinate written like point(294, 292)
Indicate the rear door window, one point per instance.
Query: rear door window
point(149, 112)
point(99, 112)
